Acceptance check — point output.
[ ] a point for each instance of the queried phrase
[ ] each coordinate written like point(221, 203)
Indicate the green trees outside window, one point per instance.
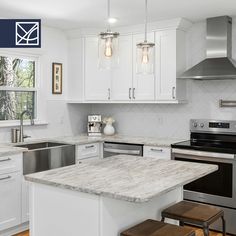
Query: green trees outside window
point(17, 87)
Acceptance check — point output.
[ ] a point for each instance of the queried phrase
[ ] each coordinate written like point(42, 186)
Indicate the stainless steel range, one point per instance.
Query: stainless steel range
point(212, 142)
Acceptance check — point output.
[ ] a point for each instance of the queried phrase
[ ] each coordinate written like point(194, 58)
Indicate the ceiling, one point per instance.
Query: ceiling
point(71, 14)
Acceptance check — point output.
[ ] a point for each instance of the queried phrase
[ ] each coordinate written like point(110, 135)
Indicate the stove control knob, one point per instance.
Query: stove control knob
point(201, 125)
point(195, 124)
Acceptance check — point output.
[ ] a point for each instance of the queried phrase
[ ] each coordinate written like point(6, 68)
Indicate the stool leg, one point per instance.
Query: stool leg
point(223, 225)
point(163, 219)
point(181, 223)
point(206, 231)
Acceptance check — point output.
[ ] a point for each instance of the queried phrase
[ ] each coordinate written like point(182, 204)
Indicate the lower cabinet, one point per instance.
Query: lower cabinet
point(89, 151)
point(157, 152)
point(10, 200)
point(25, 201)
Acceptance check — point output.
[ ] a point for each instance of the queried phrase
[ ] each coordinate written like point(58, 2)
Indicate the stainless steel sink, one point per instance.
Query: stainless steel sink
point(46, 155)
point(34, 146)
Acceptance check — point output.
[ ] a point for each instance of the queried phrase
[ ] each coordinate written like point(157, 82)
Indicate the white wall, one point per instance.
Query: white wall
point(62, 119)
point(132, 119)
point(173, 120)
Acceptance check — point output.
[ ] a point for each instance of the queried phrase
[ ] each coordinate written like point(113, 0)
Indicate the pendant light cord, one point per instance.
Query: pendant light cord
point(145, 39)
point(108, 14)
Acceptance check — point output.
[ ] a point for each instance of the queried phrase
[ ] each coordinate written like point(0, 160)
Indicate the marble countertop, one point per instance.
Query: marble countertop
point(151, 141)
point(129, 178)
point(9, 149)
point(6, 150)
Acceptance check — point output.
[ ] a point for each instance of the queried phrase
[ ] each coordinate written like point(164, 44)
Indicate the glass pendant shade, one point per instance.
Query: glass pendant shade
point(145, 58)
point(145, 53)
point(108, 50)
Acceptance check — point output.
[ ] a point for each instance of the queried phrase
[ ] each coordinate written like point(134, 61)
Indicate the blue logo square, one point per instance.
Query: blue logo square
point(20, 33)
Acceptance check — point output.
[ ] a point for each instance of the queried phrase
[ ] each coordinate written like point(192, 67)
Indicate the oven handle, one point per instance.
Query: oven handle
point(203, 154)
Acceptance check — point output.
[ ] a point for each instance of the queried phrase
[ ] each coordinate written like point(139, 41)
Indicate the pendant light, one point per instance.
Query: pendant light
point(145, 53)
point(108, 46)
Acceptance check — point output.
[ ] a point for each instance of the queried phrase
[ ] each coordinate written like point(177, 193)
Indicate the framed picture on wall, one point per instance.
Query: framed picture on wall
point(57, 78)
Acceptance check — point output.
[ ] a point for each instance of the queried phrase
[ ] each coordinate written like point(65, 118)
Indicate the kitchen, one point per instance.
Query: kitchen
point(151, 110)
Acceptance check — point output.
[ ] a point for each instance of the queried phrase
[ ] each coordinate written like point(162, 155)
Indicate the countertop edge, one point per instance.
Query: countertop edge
point(113, 195)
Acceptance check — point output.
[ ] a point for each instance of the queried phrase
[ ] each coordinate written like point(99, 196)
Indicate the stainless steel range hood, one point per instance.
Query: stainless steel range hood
point(218, 63)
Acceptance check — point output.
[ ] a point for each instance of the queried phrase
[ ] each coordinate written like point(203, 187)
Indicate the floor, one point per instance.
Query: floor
point(198, 233)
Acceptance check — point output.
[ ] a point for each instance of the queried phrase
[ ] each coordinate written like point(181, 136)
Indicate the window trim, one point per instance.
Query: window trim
point(36, 58)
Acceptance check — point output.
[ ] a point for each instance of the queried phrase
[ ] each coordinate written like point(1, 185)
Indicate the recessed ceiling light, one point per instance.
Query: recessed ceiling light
point(112, 20)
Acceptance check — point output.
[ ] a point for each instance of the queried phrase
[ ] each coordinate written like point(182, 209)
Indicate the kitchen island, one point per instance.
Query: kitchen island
point(104, 197)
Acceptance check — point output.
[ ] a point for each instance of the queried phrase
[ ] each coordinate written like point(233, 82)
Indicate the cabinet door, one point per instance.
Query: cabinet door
point(10, 198)
point(122, 75)
point(25, 201)
point(166, 65)
point(87, 150)
point(143, 84)
point(96, 81)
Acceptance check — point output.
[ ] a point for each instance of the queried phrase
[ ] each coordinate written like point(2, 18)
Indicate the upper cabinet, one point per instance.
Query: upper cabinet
point(170, 62)
point(97, 84)
point(121, 77)
point(143, 84)
point(123, 83)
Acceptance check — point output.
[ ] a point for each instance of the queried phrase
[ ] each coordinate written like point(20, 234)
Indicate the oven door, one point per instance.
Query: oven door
point(217, 188)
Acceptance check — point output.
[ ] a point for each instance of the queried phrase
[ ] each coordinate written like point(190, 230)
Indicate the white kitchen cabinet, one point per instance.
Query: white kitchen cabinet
point(170, 62)
point(25, 201)
point(143, 84)
point(10, 164)
point(157, 152)
point(121, 79)
point(88, 151)
point(123, 84)
point(97, 82)
point(10, 198)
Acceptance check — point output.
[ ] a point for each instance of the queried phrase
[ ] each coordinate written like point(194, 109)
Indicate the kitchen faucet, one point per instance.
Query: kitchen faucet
point(22, 136)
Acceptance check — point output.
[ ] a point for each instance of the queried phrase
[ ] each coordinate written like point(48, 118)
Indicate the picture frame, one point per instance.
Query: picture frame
point(56, 78)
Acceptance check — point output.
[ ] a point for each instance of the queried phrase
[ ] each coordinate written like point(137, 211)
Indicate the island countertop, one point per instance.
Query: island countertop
point(129, 178)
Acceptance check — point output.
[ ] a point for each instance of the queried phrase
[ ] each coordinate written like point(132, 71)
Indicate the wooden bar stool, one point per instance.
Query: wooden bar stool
point(157, 228)
point(192, 213)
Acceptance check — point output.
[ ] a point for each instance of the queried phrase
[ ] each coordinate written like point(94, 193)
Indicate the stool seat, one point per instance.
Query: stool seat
point(157, 228)
point(193, 213)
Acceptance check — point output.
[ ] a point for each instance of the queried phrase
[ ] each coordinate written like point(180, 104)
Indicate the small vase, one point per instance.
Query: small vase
point(109, 129)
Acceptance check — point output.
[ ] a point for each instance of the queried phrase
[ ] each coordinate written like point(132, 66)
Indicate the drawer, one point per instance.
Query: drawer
point(87, 150)
point(11, 163)
point(158, 152)
point(84, 160)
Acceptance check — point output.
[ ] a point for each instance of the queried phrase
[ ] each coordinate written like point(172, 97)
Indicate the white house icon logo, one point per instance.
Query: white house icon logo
point(27, 33)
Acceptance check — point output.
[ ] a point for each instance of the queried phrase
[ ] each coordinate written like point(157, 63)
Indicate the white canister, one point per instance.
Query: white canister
point(109, 129)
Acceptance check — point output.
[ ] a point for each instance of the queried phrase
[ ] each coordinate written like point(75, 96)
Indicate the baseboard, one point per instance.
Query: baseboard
point(15, 230)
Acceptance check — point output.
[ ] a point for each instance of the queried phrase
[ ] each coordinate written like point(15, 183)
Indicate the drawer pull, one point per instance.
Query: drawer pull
point(8, 159)
point(156, 150)
point(4, 178)
point(90, 146)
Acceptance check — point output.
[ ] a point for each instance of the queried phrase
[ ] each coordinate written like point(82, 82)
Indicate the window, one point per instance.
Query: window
point(17, 86)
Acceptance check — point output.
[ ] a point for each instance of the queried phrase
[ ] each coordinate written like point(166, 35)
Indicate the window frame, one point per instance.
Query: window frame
point(35, 89)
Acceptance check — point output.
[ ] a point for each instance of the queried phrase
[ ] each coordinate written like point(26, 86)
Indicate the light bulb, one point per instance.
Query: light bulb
point(108, 47)
point(145, 56)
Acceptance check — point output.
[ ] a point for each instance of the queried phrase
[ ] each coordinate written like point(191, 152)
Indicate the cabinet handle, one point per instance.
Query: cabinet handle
point(8, 159)
point(133, 93)
point(4, 178)
point(109, 94)
point(173, 93)
point(90, 146)
point(156, 150)
point(130, 93)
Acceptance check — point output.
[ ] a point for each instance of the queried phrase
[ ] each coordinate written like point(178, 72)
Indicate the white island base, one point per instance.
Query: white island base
point(61, 212)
